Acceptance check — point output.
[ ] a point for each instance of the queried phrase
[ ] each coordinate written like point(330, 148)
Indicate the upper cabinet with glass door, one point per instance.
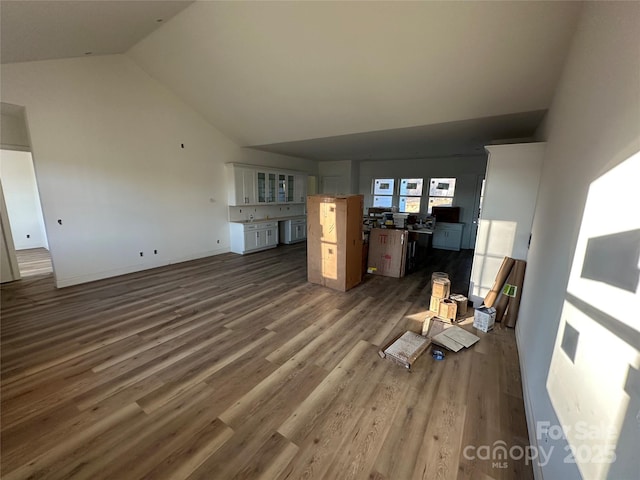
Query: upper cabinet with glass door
point(249, 185)
point(291, 187)
point(282, 187)
point(266, 186)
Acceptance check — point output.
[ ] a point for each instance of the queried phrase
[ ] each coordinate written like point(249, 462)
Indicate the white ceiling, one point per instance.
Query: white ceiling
point(327, 80)
point(462, 138)
point(42, 30)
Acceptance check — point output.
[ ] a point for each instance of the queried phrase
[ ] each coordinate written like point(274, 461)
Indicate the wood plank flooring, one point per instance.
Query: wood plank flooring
point(234, 367)
point(34, 261)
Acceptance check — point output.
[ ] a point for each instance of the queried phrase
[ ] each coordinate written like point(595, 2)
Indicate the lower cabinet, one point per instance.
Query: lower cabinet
point(448, 236)
point(293, 231)
point(253, 237)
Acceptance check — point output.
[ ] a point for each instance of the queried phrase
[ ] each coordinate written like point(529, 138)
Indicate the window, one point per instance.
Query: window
point(441, 192)
point(383, 189)
point(410, 195)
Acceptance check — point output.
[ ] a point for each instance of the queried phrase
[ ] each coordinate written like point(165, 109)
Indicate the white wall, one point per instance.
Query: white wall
point(22, 200)
point(13, 132)
point(466, 170)
point(106, 142)
point(336, 177)
point(593, 125)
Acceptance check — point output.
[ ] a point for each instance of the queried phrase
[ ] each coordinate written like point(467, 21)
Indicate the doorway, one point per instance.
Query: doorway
point(477, 208)
point(24, 213)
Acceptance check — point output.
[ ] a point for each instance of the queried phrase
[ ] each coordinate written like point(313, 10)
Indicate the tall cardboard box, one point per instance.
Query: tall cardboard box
point(387, 252)
point(334, 240)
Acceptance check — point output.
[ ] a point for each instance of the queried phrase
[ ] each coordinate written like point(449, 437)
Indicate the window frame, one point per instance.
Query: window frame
point(450, 197)
point(379, 192)
point(410, 193)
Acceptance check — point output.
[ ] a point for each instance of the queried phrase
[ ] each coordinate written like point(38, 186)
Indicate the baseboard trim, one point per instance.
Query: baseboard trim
point(528, 411)
point(94, 276)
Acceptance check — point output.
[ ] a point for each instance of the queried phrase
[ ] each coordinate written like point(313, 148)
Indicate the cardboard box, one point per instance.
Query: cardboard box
point(407, 349)
point(334, 240)
point(484, 318)
point(434, 305)
point(448, 309)
point(461, 302)
point(387, 252)
point(426, 324)
point(441, 287)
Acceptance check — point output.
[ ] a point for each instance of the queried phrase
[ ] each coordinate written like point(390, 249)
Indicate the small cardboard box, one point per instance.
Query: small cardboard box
point(461, 301)
point(484, 318)
point(441, 288)
point(434, 305)
point(448, 309)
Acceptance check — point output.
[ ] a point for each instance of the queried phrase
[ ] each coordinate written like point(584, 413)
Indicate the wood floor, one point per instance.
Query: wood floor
point(235, 367)
point(34, 261)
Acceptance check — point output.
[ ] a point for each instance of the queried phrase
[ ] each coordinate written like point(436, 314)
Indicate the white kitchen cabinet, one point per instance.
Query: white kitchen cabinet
point(300, 189)
point(242, 185)
point(252, 185)
point(293, 231)
point(448, 236)
point(266, 186)
point(291, 188)
point(253, 237)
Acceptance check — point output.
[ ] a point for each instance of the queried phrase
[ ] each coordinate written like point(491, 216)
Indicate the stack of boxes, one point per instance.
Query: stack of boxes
point(440, 289)
point(446, 306)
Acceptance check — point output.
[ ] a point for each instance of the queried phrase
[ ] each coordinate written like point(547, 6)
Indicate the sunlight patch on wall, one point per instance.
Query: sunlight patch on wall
point(494, 242)
point(592, 382)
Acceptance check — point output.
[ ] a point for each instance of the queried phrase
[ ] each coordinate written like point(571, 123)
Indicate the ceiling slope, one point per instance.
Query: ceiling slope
point(281, 72)
point(42, 30)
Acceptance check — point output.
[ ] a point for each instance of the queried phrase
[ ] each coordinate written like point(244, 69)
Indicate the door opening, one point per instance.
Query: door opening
point(24, 213)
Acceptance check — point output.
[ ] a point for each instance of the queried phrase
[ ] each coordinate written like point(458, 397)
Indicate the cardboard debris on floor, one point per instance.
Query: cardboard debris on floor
point(452, 337)
point(407, 349)
point(455, 338)
point(426, 324)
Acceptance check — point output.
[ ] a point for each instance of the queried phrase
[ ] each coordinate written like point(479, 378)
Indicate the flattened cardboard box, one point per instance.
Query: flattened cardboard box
point(455, 339)
point(407, 349)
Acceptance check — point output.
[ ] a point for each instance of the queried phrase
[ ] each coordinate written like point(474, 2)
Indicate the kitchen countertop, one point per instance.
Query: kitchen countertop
point(264, 220)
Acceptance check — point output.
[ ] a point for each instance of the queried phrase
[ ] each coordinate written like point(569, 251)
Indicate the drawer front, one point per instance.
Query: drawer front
point(259, 226)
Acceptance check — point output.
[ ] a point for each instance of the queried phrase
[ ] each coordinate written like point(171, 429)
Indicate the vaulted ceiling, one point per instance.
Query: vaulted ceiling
point(339, 80)
point(49, 29)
